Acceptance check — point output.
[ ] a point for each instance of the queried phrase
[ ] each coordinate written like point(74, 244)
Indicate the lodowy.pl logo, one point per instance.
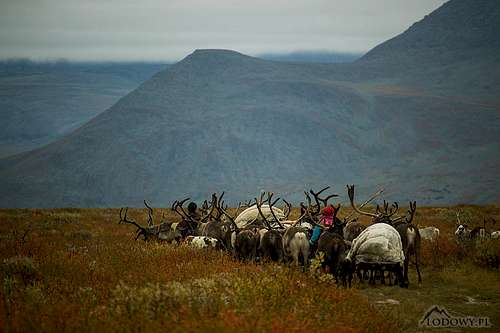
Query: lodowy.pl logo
point(437, 317)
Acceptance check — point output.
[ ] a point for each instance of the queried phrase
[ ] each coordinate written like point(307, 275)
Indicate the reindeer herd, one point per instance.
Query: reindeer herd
point(260, 231)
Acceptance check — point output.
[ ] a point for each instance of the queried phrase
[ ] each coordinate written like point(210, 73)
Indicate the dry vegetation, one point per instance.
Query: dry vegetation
point(78, 270)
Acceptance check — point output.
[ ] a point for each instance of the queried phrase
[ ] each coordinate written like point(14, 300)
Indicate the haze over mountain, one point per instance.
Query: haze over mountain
point(323, 57)
point(42, 101)
point(405, 116)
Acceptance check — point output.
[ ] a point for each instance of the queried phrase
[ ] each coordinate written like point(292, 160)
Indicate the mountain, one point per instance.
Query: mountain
point(219, 120)
point(40, 102)
point(458, 30)
point(456, 48)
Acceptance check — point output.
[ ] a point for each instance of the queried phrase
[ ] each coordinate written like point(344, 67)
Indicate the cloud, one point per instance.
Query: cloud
point(169, 30)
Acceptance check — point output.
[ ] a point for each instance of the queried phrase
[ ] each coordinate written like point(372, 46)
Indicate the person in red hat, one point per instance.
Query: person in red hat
point(325, 219)
point(327, 215)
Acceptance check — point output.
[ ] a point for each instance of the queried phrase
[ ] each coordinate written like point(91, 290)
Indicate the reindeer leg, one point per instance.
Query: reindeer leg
point(305, 257)
point(417, 255)
point(405, 269)
point(401, 279)
point(359, 274)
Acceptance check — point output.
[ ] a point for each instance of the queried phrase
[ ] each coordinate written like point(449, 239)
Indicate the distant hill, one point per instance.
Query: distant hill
point(219, 120)
point(40, 102)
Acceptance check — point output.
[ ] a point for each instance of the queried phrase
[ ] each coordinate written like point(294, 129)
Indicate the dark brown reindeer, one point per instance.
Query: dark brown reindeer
point(271, 239)
point(331, 243)
point(410, 237)
point(409, 233)
point(242, 242)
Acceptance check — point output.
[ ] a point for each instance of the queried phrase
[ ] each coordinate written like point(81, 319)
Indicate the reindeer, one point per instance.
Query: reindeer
point(243, 242)
point(408, 232)
point(429, 233)
point(377, 248)
point(481, 233)
point(208, 224)
point(331, 241)
point(410, 237)
point(189, 223)
point(159, 232)
point(334, 248)
point(213, 226)
point(271, 240)
point(251, 215)
point(296, 238)
point(203, 242)
point(313, 212)
point(296, 244)
point(352, 227)
point(478, 233)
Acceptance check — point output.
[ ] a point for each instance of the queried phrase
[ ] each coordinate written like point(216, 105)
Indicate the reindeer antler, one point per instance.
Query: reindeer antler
point(412, 209)
point(140, 229)
point(288, 209)
point(271, 209)
point(370, 199)
point(266, 222)
point(150, 214)
point(323, 200)
point(231, 219)
point(177, 207)
point(350, 192)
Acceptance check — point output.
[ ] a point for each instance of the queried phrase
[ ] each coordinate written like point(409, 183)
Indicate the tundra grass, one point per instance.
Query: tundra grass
point(78, 270)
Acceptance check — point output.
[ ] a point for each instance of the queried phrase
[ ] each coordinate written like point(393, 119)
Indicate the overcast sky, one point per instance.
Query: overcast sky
point(167, 30)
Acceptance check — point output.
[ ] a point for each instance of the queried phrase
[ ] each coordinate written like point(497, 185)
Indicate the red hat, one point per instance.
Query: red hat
point(328, 210)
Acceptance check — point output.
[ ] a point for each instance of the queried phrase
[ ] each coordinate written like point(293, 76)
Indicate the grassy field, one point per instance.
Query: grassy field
point(78, 270)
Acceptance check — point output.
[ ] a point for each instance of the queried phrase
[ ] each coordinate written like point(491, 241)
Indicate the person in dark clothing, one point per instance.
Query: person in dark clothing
point(188, 226)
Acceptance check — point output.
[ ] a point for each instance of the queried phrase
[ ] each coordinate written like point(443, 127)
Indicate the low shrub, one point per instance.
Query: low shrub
point(82, 235)
point(438, 254)
point(487, 253)
point(22, 269)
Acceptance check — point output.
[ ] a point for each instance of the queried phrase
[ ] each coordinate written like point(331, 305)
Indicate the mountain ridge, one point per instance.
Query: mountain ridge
point(220, 120)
